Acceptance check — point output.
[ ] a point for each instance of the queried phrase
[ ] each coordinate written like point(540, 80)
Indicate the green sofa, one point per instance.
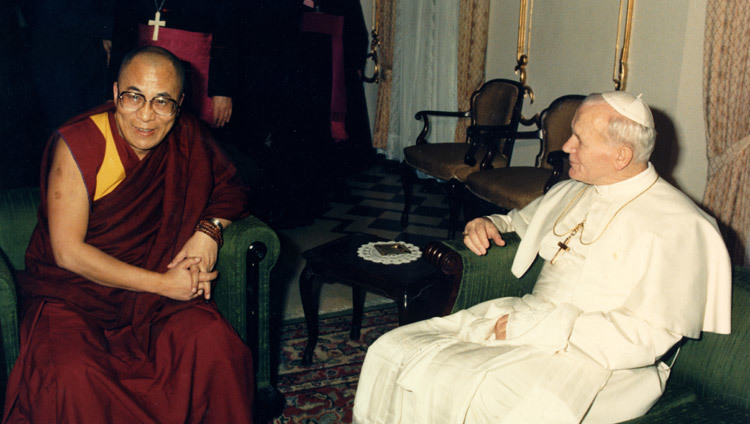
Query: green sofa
point(710, 380)
point(245, 261)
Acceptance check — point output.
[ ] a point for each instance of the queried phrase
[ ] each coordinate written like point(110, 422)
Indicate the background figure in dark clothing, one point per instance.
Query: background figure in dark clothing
point(267, 43)
point(288, 90)
point(69, 56)
point(53, 65)
point(190, 19)
point(18, 105)
point(313, 81)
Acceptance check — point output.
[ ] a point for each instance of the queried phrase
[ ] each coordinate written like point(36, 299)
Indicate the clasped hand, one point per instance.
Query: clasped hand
point(191, 272)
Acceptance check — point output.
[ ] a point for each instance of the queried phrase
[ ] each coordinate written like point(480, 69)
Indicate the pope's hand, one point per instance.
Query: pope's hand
point(500, 327)
point(478, 233)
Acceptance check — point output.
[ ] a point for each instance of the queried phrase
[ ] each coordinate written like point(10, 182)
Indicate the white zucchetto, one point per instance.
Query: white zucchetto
point(630, 106)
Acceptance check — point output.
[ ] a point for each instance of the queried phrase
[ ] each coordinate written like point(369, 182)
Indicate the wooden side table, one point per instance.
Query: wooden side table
point(338, 261)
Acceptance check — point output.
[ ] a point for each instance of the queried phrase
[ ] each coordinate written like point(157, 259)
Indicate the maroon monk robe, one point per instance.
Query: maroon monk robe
point(91, 353)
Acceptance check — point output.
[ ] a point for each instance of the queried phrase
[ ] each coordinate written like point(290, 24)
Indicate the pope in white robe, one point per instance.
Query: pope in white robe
point(640, 267)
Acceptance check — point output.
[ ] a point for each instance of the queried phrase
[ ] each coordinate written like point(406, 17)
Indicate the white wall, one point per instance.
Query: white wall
point(572, 51)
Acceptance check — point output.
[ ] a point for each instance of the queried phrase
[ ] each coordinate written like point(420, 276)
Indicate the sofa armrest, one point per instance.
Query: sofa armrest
point(18, 217)
point(8, 316)
point(489, 277)
point(246, 304)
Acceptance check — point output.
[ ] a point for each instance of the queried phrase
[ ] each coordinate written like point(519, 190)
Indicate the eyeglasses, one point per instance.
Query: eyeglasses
point(132, 102)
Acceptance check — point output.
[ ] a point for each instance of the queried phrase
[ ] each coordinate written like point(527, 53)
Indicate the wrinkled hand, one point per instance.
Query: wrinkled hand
point(184, 281)
point(200, 246)
point(478, 233)
point(222, 107)
point(500, 327)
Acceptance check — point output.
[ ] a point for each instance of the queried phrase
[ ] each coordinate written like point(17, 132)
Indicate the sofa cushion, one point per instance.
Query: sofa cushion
point(676, 395)
point(718, 366)
point(701, 411)
point(446, 160)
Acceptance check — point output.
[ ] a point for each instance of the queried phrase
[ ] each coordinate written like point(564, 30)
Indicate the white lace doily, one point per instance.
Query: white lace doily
point(368, 252)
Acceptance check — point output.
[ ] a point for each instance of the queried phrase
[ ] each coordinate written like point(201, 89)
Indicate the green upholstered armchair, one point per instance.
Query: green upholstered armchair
point(709, 381)
point(245, 261)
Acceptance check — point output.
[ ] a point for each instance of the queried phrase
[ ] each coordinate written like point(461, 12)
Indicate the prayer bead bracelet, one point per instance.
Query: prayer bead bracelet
point(211, 229)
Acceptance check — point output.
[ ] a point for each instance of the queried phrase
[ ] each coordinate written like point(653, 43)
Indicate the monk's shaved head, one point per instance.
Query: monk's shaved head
point(154, 55)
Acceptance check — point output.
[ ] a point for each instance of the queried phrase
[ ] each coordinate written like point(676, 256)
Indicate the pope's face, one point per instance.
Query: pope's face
point(592, 158)
point(150, 76)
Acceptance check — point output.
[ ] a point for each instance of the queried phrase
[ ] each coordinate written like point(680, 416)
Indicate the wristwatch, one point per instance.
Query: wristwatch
point(217, 222)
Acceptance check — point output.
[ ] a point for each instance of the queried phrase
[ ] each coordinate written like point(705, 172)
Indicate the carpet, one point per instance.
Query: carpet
point(323, 393)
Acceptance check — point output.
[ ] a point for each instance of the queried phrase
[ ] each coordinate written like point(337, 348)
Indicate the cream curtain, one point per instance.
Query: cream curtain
point(424, 71)
point(428, 27)
point(727, 107)
point(473, 22)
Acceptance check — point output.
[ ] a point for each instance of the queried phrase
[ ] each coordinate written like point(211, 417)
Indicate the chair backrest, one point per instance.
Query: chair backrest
point(497, 102)
point(556, 123)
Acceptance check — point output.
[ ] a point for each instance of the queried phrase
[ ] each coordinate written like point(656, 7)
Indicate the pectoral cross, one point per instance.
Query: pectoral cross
point(564, 244)
point(156, 23)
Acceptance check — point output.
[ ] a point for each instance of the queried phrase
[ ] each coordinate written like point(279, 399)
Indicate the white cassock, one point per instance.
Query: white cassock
point(585, 345)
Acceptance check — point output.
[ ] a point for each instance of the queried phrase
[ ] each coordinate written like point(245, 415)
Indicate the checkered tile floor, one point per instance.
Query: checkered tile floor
point(371, 203)
point(374, 203)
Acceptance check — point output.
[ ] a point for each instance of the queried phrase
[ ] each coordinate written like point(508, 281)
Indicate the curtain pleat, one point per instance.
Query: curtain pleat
point(474, 17)
point(726, 90)
point(472, 47)
point(386, 15)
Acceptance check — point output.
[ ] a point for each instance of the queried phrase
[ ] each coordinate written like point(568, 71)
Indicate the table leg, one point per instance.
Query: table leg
point(358, 305)
point(403, 309)
point(310, 294)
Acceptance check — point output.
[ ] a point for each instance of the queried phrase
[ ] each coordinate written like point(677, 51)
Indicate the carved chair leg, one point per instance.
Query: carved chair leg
point(455, 198)
point(309, 289)
point(408, 176)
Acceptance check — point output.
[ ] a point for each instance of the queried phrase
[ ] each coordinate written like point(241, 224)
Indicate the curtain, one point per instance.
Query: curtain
point(386, 18)
point(424, 71)
point(474, 19)
point(726, 90)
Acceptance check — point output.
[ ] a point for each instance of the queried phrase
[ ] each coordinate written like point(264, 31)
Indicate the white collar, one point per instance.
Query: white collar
point(629, 187)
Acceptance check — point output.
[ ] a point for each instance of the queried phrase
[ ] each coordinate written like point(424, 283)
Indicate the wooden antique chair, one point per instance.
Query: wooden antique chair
point(245, 261)
point(495, 112)
point(515, 187)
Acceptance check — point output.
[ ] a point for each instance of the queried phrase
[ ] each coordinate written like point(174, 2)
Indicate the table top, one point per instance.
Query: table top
point(339, 258)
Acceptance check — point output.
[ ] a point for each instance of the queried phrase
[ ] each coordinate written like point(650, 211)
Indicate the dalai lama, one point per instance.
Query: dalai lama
point(116, 325)
point(201, 33)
